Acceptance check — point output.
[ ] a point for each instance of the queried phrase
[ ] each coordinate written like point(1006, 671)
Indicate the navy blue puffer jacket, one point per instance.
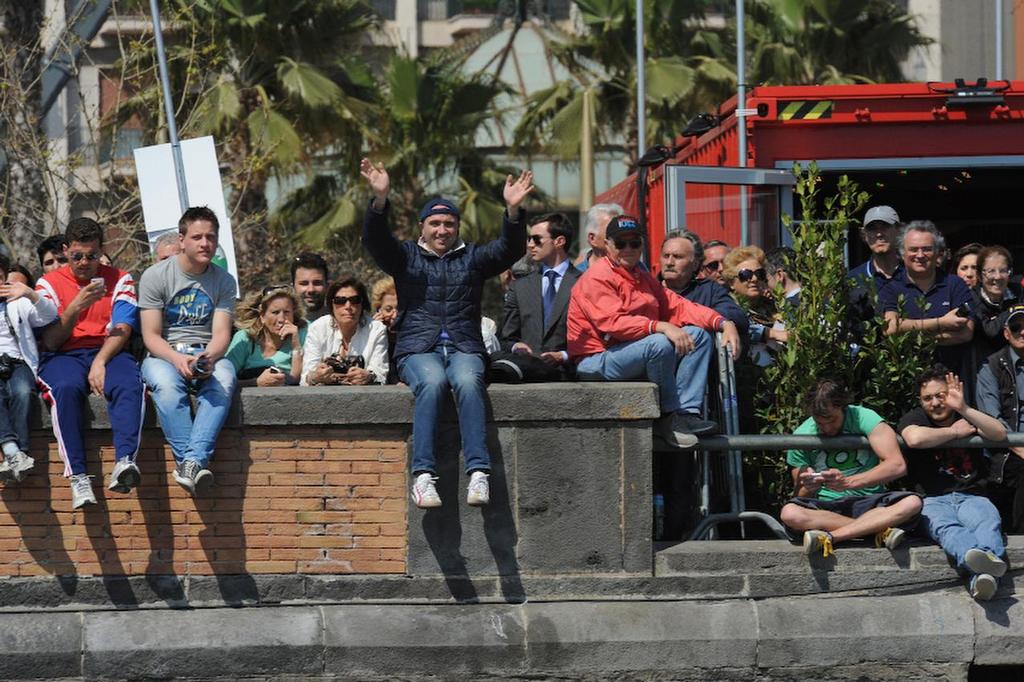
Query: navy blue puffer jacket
point(440, 292)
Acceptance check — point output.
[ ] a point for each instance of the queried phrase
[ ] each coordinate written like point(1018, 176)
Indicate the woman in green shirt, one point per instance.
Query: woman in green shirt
point(267, 348)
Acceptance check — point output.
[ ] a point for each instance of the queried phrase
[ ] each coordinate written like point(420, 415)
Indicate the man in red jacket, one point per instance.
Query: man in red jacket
point(624, 325)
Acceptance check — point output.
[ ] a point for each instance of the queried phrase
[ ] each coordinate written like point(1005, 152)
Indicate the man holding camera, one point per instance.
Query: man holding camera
point(97, 313)
point(23, 310)
point(187, 307)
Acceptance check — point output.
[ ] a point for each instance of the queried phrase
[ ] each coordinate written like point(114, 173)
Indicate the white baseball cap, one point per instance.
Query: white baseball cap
point(881, 214)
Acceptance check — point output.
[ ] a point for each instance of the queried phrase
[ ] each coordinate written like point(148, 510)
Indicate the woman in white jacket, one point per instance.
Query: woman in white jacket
point(21, 311)
point(346, 339)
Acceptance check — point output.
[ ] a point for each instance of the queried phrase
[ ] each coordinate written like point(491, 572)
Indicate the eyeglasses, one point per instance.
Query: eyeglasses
point(274, 287)
point(631, 243)
point(535, 239)
point(995, 272)
point(712, 265)
point(746, 274)
point(76, 256)
point(342, 300)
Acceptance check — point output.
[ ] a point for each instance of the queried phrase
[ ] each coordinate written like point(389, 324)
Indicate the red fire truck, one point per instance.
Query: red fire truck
point(952, 153)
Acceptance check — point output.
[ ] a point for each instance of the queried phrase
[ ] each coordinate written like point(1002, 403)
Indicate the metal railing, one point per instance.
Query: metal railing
point(732, 444)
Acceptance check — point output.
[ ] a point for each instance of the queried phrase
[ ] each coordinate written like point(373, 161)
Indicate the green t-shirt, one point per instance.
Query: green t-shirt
point(857, 421)
point(245, 354)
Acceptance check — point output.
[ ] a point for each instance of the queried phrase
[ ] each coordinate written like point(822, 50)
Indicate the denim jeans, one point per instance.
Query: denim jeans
point(429, 375)
point(190, 439)
point(681, 380)
point(15, 399)
point(959, 522)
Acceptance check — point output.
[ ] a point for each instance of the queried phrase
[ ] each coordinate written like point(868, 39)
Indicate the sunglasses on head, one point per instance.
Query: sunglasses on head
point(746, 274)
point(712, 265)
point(273, 287)
point(342, 300)
point(631, 243)
point(75, 256)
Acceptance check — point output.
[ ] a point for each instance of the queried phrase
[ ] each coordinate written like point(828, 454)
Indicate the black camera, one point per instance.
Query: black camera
point(963, 310)
point(341, 364)
point(7, 365)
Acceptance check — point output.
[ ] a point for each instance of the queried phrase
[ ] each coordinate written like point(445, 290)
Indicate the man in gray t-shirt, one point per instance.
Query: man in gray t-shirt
point(187, 305)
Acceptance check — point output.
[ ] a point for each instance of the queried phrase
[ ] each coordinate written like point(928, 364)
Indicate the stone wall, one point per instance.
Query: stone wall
point(314, 481)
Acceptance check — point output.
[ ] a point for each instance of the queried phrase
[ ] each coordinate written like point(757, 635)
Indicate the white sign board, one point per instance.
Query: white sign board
point(159, 190)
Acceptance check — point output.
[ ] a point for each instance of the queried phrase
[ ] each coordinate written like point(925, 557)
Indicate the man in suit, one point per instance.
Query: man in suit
point(533, 343)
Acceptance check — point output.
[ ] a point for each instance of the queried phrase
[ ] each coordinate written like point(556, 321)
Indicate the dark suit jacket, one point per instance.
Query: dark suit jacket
point(524, 314)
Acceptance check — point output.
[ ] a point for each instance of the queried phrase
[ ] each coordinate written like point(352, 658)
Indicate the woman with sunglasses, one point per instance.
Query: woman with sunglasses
point(346, 347)
point(267, 348)
point(744, 273)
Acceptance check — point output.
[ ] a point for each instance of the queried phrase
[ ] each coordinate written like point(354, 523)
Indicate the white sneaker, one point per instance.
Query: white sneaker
point(23, 465)
point(81, 491)
point(983, 587)
point(424, 494)
point(124, 477)
point(980, 561)
point(478, 492)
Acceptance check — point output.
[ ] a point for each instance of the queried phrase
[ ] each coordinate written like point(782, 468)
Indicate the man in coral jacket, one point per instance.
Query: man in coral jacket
point(624, 325)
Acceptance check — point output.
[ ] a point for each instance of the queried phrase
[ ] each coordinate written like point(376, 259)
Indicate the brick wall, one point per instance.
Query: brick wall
point(286, 500)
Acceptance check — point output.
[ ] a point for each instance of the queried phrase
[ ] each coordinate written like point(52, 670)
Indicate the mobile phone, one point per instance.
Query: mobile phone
point(275, 370)
point(963, 310)
point(98, 280)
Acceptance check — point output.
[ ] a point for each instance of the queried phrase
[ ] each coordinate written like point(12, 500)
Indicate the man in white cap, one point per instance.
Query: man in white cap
point(879, 233)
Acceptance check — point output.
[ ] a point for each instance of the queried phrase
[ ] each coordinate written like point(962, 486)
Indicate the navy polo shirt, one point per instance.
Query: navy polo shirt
point(946, 293)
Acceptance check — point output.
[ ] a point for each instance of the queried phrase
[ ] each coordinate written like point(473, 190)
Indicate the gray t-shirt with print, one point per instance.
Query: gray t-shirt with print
point(187, 301)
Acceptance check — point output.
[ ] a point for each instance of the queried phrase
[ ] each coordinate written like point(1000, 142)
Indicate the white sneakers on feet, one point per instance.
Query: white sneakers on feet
point(424, 494)
point(478, 492)
point(980, 561)
point(81, 491)
point(15, 466)
point(124, 477)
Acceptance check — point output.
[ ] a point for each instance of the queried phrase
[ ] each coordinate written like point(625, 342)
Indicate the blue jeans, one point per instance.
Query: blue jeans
point(15, 399)
point(429, 375)
point(190, 439)
point(959, 522)
point(681, 380)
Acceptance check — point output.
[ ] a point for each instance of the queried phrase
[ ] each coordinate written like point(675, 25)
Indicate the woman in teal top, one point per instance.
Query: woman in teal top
point(264, 350)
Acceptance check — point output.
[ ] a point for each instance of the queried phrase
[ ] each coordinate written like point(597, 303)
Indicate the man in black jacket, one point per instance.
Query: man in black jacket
point(533, 345)
point(439, 281)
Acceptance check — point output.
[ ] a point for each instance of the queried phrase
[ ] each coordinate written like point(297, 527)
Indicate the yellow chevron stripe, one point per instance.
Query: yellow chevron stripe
point(819, 109)
point(790, 110)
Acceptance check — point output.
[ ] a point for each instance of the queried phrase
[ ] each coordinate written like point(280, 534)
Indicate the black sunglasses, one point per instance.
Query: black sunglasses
point(536, 239)
point(746, 274)
point(712, 265)
point(274, 287)
point(342, 300)
point(631, 243)
point(75, 256)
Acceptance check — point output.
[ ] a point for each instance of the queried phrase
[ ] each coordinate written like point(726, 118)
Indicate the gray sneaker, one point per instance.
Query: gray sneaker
point(185, 475)
point(15, 466)
point(674, 433)
point(81, 491)
point(124, 477)
point(204, 480)
point(983, 586)
point(24, 465)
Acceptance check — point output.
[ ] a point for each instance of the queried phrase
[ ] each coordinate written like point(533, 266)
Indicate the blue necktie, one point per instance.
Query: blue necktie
point(549, 295)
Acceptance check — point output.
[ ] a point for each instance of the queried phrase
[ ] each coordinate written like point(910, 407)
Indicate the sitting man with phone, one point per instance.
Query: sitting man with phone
point(840, 495)
point(97, 313)
point(187, 307)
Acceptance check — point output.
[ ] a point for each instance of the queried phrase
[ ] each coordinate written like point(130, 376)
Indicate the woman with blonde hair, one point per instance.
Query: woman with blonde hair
point(745, 276)
point(267, 348)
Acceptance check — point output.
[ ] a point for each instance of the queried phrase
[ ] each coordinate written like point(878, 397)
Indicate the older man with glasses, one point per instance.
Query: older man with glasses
point(624, 325)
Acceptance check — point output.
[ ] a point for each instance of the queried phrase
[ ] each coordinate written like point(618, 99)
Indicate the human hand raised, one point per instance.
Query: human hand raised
point(955, 392)
point(378, 178)
point(516, 190)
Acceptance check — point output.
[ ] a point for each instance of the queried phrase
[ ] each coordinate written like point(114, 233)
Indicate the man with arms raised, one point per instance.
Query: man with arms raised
point(187, 307)
point(840, 495)
point(439, 279)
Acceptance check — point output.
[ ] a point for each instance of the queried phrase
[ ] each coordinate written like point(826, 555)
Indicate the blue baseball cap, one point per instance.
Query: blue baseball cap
point(439, 206)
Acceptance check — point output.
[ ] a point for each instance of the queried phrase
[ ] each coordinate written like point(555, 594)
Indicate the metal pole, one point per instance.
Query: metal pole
point(172, 128)
point(741, 116)
point(587, 155)
point(641, 83)
point(999, 39)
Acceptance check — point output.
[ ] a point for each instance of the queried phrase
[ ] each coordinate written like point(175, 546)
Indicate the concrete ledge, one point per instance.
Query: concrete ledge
point(361, 405)
point(39, 646)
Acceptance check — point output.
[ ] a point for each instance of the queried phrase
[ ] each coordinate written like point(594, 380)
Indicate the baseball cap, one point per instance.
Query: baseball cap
point(881, 214)
point(438, 206)
point(621, 225)
point(1016, 312)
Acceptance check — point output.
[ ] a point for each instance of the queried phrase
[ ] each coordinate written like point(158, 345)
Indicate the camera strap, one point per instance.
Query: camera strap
point(10, 325)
